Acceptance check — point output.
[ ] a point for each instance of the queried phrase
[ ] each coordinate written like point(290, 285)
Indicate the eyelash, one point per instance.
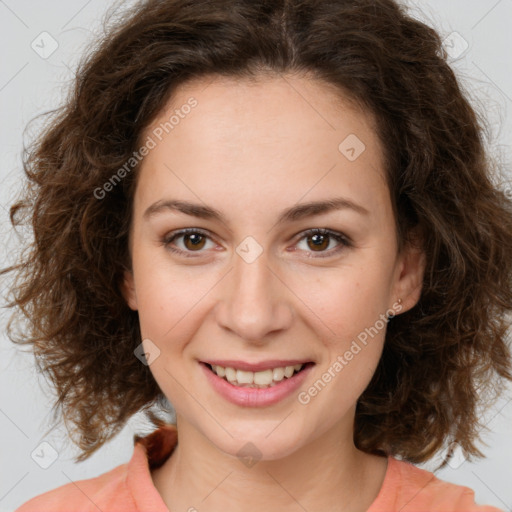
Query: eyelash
point(342, 239)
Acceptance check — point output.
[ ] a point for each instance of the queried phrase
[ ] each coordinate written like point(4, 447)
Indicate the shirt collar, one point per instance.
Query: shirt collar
point(149, 453)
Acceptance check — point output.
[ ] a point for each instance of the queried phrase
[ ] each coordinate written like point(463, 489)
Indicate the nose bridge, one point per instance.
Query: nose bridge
point(254, 302)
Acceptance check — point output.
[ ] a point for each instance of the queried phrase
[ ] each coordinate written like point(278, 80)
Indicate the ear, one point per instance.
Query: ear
point(410, 271)
point(128, 289)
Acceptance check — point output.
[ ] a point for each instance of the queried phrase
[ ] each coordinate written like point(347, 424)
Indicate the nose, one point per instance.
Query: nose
point(255, 301)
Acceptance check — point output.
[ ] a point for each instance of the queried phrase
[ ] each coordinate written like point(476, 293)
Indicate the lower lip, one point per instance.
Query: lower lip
point(256, 397)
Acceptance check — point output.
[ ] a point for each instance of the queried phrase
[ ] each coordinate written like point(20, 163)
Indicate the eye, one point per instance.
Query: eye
point(193, 240)
point(320, 240)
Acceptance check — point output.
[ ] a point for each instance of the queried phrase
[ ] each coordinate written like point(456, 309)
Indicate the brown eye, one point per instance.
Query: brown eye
point(194, 241)
point(319, 241)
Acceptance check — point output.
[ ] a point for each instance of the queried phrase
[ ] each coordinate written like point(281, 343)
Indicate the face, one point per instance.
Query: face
point(252, 281)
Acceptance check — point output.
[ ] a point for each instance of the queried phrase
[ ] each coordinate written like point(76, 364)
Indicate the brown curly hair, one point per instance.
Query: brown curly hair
point(441, 359)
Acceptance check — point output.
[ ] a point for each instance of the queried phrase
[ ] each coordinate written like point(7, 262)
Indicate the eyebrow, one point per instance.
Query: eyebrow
point(292, 214)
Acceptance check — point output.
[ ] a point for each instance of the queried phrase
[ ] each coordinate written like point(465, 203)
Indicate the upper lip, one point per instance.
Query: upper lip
point(256, 367)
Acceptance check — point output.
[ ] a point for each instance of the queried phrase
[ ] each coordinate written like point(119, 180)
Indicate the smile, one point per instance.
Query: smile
point(262, 379)
point(256, 389)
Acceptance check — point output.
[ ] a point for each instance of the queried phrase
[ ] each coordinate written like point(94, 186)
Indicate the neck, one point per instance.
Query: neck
point(329, 473)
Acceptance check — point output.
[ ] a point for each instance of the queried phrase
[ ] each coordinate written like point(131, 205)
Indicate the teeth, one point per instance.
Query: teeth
point(263, 379)
point(245, 377)
point(288, 371)
point(230, 374)
point(278, 374)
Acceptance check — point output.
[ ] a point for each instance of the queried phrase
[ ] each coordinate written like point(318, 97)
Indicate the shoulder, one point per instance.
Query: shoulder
point(104, 492)
point(125, 488)
point(409, 488)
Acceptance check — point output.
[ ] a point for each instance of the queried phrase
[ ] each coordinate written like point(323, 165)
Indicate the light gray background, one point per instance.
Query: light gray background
point(30, 84)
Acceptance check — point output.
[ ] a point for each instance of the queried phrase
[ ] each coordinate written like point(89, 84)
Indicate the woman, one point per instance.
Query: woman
point(279, 217)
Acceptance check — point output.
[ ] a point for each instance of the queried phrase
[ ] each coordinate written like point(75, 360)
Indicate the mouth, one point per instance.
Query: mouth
point(262, 379)
point(263, 388)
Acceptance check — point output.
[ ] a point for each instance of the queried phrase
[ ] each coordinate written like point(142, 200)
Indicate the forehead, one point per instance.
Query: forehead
point(282, 138)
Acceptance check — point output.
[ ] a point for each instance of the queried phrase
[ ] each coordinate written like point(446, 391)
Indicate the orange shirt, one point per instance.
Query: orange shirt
point(129, 487)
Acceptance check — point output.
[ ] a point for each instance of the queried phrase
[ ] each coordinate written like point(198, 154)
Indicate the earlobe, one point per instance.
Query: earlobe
point(128, 290)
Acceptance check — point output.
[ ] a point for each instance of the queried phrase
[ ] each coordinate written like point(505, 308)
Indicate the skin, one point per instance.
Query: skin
point(252, 150)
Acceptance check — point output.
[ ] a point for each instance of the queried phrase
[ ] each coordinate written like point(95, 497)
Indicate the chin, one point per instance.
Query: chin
point(256, 444)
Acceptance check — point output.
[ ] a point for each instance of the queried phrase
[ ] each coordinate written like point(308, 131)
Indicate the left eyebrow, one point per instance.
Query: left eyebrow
point(312, 208)
point(291, 214)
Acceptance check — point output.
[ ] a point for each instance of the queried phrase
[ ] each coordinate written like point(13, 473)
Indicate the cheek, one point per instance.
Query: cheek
point(346, 300)
point(166, 307)
point(348, 311)
point(353, 324)
point(169, 299)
